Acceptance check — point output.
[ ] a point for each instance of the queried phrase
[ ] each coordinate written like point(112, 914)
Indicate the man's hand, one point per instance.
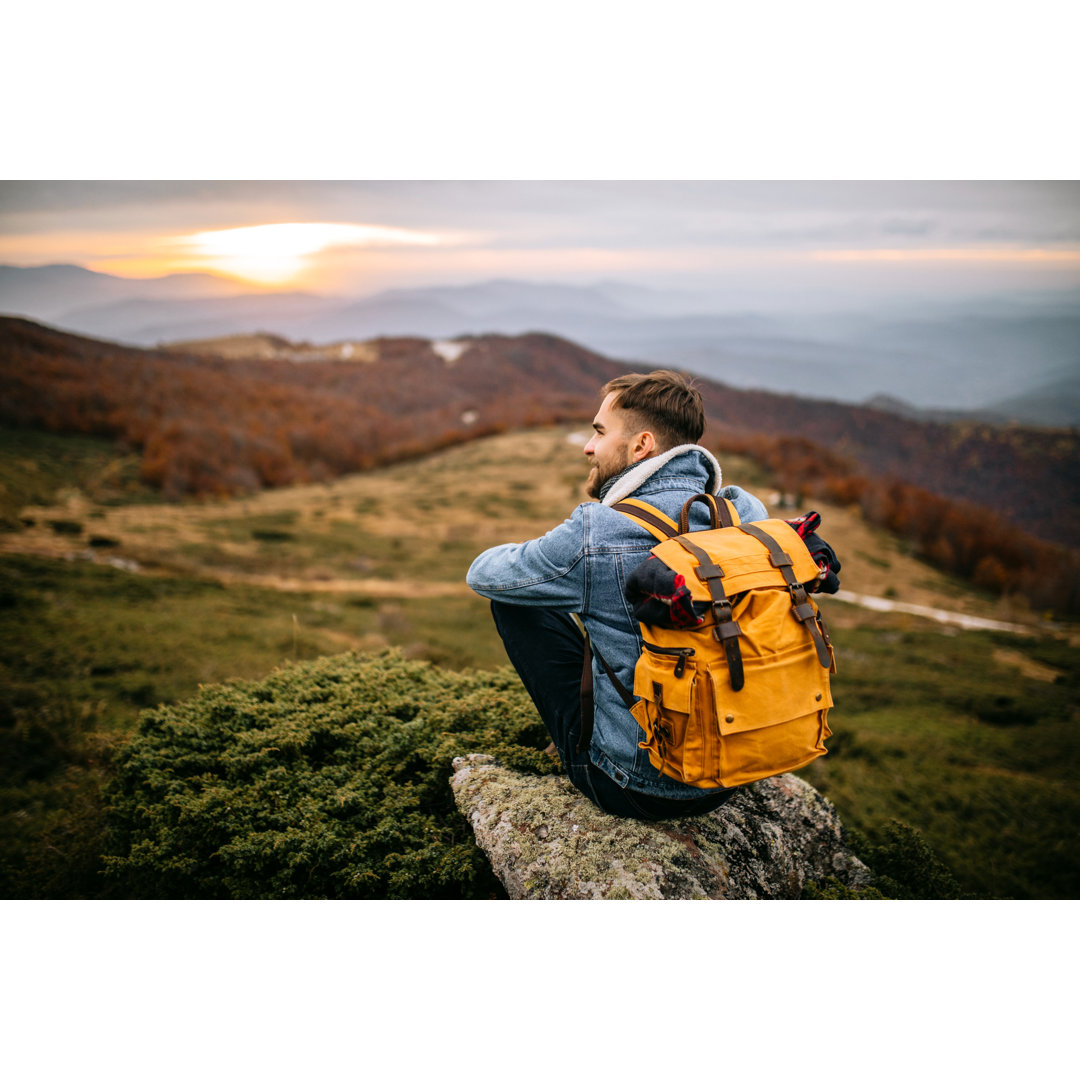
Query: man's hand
point(828, 564)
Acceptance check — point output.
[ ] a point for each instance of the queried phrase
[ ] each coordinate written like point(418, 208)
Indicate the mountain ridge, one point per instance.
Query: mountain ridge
point(340, 414)
point(52, 290)
point(962, 356)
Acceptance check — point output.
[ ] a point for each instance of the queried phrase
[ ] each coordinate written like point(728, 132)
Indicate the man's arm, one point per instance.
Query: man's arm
point(546, 572)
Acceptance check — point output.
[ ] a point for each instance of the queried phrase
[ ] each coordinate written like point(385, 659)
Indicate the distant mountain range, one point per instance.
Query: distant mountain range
point(1015, 359)
point(246, 413)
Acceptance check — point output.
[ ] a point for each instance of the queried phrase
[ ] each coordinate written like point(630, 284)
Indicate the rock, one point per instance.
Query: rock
point(546, 841)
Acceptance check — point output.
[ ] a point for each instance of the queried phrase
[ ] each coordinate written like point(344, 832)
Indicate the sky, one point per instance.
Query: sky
point(618, 94)
point(854, 238)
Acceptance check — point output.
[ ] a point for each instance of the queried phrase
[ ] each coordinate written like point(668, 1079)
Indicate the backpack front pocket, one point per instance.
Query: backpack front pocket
point(671, 714)
point(777, 721)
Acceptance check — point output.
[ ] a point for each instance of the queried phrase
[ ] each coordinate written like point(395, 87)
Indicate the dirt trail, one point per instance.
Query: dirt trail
point(950, 618)
point(377, 587)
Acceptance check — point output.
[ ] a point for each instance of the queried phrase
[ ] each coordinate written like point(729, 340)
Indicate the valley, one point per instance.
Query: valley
point(114, 600)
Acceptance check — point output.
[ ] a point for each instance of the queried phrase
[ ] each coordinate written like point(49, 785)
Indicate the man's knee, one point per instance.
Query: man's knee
point(544, 646)
point(514, 619)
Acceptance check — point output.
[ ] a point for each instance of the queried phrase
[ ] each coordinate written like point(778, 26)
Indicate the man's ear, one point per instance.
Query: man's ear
point(643, 446)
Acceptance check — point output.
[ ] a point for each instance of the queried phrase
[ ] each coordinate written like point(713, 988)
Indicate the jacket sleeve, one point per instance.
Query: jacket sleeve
point(548, 572)
point(750, 507)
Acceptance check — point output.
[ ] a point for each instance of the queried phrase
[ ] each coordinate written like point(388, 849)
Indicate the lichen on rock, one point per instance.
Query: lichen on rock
point(545, 840)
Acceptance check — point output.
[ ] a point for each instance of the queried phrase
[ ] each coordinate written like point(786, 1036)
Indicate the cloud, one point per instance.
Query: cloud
point(908, 227)
point(563, 229)
point(559, 213)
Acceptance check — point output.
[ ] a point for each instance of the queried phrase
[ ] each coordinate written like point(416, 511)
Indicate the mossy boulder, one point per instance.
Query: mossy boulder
point(547, 841)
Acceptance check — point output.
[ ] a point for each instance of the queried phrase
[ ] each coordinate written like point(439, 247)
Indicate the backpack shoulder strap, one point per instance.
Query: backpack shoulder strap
point(648, 517)
point(586, 689)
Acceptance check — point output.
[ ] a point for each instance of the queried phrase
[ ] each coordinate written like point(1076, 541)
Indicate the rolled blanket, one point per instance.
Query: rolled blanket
point(659, 596)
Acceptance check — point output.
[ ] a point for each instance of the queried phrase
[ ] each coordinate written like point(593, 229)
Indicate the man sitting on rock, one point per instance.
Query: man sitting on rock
point(645, 446)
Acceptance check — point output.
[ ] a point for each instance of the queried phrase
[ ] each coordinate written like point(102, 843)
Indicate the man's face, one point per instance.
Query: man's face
point(610, 449)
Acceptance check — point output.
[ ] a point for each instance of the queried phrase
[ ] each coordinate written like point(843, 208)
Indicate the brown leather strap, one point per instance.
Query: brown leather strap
point(627, 697)
point(719, 512)
point(587, 705)
point(587, 708)
point(643, 515)
point(727, 630)
point(700, 554)
point(723, 510)
point(684, 513)
point(801, 607)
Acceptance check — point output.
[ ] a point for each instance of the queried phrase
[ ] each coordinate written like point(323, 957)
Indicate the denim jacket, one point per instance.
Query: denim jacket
point(581, 567)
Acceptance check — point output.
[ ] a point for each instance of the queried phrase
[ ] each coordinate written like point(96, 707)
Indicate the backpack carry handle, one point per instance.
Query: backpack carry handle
point(719, 512)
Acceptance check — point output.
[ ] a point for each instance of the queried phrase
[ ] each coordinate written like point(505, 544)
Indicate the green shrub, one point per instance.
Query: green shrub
point(904, 868)
point(832, 888)
point(64, 527)
point(1008, 710)
point(328, 779)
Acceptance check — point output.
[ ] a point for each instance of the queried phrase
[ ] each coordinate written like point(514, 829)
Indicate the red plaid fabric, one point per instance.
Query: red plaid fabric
point(659, 596)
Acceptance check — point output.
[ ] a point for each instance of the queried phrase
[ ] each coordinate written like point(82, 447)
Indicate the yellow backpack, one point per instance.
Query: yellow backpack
point(745, 694)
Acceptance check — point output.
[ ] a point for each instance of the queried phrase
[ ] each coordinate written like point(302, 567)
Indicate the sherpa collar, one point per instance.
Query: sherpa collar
point(630, 480)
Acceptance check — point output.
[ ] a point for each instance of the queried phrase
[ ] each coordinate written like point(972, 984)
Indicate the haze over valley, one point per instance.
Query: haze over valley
point(1009, 358)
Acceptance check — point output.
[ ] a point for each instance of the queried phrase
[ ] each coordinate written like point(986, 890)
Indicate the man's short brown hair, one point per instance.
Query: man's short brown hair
point(663, 402)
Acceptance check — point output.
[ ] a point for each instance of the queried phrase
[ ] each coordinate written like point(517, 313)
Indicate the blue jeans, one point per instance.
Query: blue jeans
point(547, 650)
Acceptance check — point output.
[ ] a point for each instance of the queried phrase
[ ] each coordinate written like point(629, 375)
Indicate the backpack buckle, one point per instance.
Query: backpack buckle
point(709, 572)
point(800, 603)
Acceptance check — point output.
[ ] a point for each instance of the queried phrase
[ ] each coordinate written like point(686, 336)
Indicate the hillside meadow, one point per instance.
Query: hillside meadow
point(113, 601)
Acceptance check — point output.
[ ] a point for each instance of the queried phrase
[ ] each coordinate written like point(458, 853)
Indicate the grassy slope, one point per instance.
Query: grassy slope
point(234, 589)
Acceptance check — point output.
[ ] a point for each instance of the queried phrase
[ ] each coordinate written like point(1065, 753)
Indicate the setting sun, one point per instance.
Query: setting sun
point(275, 254)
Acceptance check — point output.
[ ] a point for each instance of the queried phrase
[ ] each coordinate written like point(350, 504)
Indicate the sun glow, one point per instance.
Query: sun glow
point(275, 254)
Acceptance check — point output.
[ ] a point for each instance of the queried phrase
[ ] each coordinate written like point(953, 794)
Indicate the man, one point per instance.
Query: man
point(644, 445)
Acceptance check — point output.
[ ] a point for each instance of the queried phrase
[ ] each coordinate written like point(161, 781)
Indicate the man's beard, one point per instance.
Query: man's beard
point(594, 483)
point(599, 476)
